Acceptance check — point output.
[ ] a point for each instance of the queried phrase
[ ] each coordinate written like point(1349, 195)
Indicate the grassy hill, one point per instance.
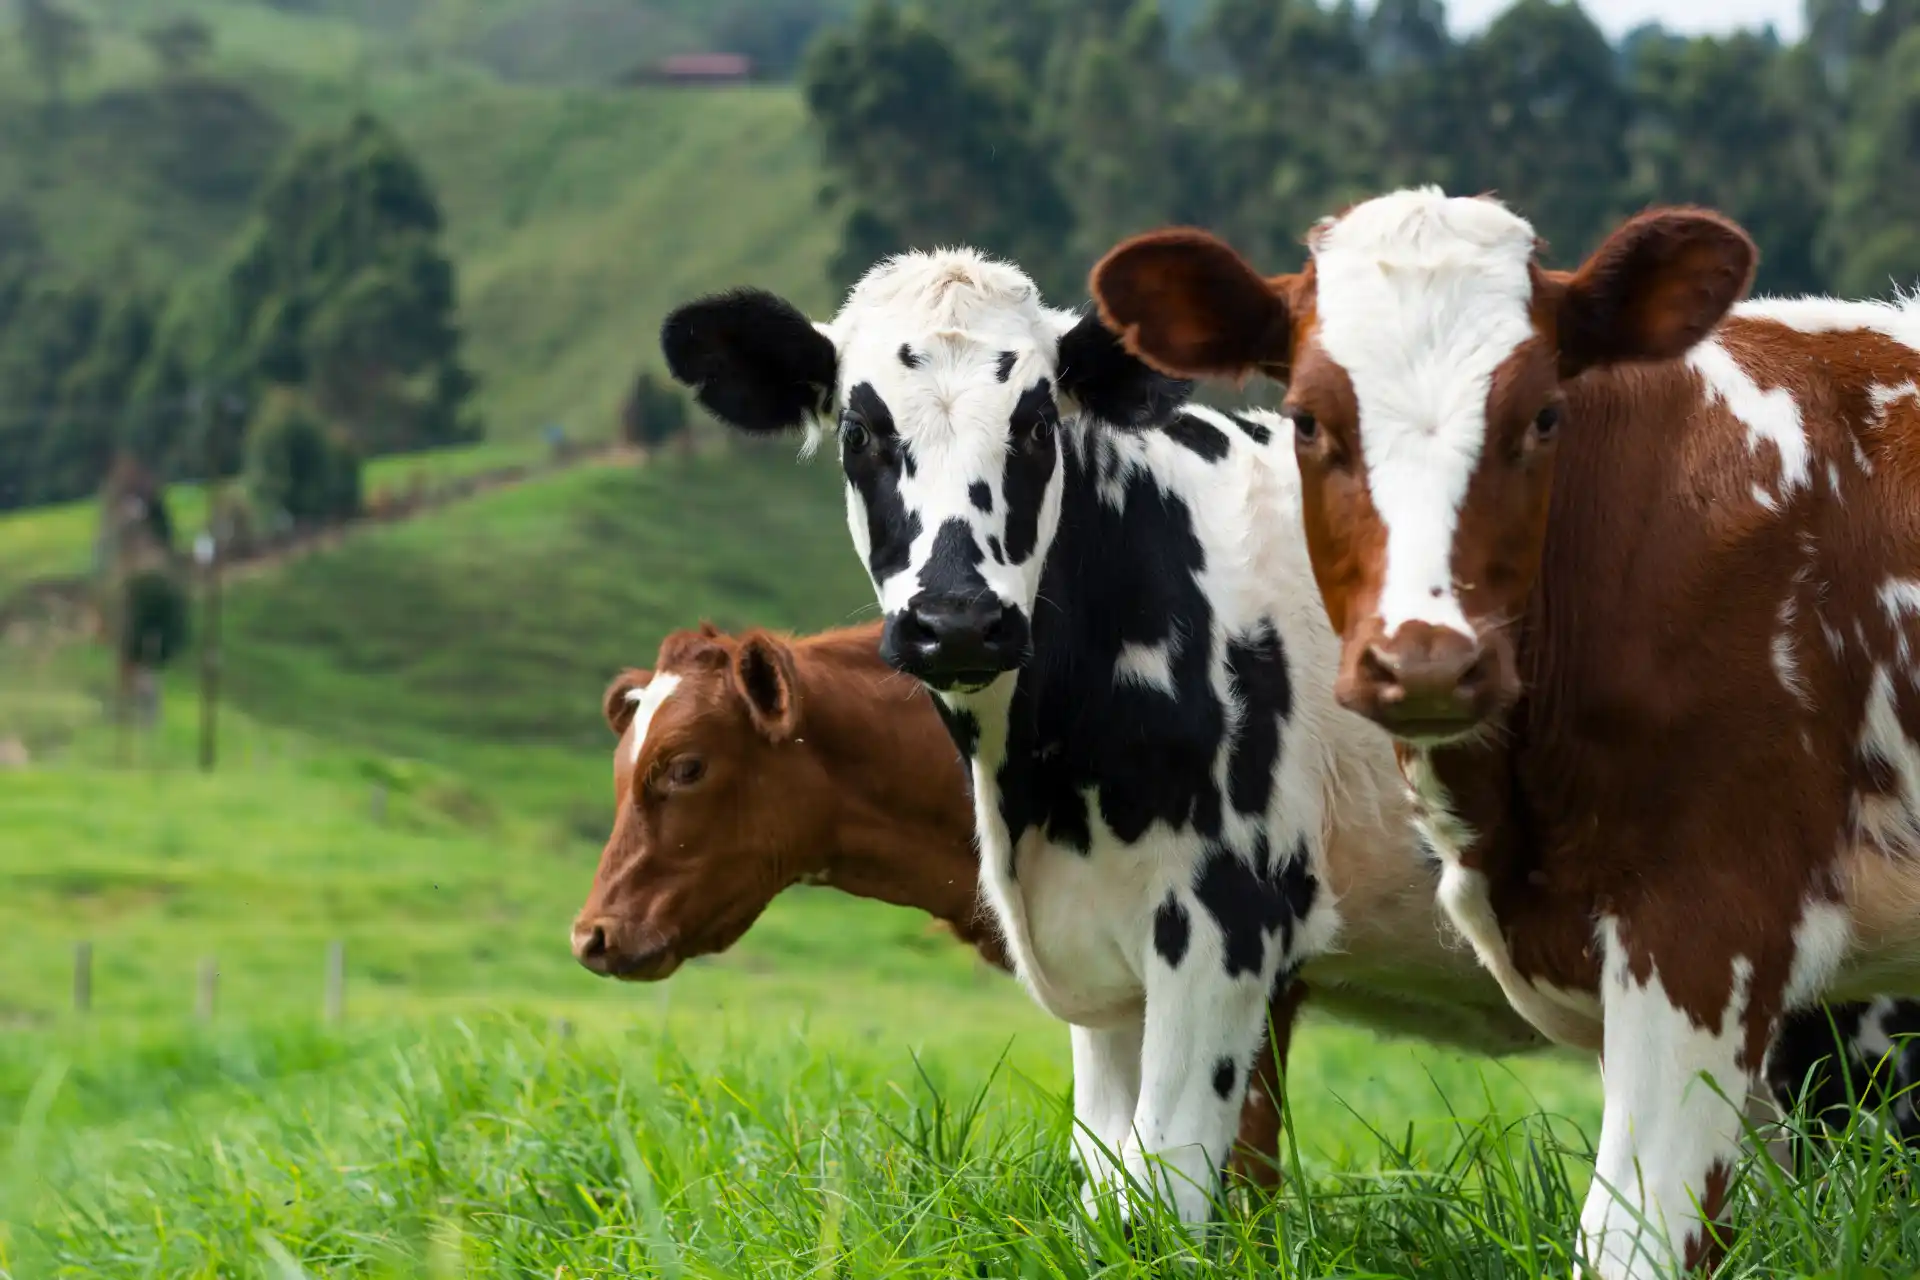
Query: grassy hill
point(577, 215)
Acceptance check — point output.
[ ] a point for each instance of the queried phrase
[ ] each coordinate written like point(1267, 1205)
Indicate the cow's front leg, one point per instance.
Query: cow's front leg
point(1106, 1088)
point(1206, 1019)
point(1256, 1155)
point(1684, 1045)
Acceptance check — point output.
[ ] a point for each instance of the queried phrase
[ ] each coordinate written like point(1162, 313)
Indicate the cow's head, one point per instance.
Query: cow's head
point(949, 384)
point(1424, 350)
point(716, 809)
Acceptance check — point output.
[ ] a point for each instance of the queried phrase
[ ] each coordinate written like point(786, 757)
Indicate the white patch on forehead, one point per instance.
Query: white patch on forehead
point(959, 315)
point(1419, 299)
point(645, 703)
point(1770, 417)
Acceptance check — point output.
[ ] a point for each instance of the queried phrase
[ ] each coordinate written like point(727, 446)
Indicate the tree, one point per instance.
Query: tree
point(1872, 241)
point(155, 624)
point(773, 33)
point(298, 468)
point(57, 42)
point(925, 151)
point(1115, 133)
point(1723, 122)
point(1548, 134)
point(179, 45)
point(654, 413)
point(341, 287)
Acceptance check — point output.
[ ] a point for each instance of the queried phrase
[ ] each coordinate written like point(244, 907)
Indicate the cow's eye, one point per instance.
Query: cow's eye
point(854, 436)
point(686, 770)
point(1306, 429)
point(1546, 423)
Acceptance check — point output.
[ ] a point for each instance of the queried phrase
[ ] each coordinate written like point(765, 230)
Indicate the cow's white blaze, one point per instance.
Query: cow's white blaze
point(1420, 298)
point(646, 702)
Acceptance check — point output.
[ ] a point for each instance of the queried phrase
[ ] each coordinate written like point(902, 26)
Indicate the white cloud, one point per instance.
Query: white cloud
point(1617, 17)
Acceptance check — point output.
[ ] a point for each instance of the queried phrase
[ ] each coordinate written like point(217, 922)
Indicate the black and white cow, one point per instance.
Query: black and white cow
point(1136, 665)
point(1104, 590)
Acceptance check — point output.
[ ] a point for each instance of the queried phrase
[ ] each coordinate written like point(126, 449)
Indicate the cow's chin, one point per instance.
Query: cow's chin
point(963, 684)
point(654, 968)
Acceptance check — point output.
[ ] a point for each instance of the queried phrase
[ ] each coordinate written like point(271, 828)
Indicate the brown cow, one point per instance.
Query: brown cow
point(1664, 728)
point(764, 762)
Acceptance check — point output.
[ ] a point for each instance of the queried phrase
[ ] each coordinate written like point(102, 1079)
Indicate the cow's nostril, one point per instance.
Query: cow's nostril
point(595, 944)
point(1379, 667)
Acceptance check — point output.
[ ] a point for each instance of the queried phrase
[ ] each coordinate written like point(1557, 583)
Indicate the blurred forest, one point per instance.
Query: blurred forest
point(1047, 129)
point(311, 278)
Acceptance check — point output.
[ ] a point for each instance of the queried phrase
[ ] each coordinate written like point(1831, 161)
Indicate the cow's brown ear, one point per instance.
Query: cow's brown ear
point(1654, 288)
point(618, 702)
point(1187, 304)
point(763, 674)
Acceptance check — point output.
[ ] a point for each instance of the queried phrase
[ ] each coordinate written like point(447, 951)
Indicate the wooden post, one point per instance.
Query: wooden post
point(209, 989)
point(336, 982)
point(207, 552)
point(82, 976)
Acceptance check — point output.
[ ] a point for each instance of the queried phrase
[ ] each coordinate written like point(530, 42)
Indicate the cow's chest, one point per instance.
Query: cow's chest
point(1566, 1012)
point(1088, 915)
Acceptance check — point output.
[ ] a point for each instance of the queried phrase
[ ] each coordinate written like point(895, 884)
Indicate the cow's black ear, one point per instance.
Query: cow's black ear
point(1113, 386)
point(752, 359)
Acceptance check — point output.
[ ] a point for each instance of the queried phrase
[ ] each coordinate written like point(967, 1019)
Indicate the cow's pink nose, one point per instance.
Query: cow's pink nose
point(1427, 682)
point(590, 945)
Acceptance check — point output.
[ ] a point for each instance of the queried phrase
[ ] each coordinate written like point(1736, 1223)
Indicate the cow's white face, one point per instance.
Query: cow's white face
point(947, 384)
point(950, 445)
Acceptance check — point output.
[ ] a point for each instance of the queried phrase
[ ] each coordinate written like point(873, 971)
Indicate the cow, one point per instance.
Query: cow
point(748, 764)
point(1631, 571)
point(1127, 646)
point(1093, 581)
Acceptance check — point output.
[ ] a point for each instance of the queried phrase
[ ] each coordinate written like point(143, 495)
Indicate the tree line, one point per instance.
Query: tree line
point(324, 333)
point(1045, 130)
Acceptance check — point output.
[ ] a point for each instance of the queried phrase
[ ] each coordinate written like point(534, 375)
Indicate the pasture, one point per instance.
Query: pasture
point(845, 1093)
point(413, 766)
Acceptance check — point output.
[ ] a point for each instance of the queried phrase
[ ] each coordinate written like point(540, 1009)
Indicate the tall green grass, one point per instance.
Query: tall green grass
point(497, 1148)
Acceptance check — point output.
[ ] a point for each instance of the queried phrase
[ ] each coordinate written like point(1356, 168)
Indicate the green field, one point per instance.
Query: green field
point(577, 213)
point(413, 765)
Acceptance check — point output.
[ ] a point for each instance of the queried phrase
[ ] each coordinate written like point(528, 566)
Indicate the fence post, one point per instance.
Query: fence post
point(336, 982)
point(82, 976)
point(209, 988)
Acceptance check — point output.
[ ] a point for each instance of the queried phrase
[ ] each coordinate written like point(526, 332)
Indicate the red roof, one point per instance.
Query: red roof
point(713, 65)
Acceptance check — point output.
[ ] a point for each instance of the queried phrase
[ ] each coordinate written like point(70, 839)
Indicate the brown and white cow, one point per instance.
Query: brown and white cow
point(749, 764)
point(1638, 593)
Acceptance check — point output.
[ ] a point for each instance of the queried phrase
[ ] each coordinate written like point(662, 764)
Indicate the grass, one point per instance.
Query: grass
point(501, 620)
point(56, 542)
point(499, 1147)
point(845, 1093)
point(577, 214)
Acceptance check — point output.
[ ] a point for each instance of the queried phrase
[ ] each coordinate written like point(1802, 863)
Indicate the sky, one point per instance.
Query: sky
point(1617, 17)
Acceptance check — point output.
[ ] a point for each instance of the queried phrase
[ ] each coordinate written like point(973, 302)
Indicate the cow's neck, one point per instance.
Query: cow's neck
point(902, 827)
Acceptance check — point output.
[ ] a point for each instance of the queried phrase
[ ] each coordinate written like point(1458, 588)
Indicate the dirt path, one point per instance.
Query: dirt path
point(62, 607)
point(481, 483)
